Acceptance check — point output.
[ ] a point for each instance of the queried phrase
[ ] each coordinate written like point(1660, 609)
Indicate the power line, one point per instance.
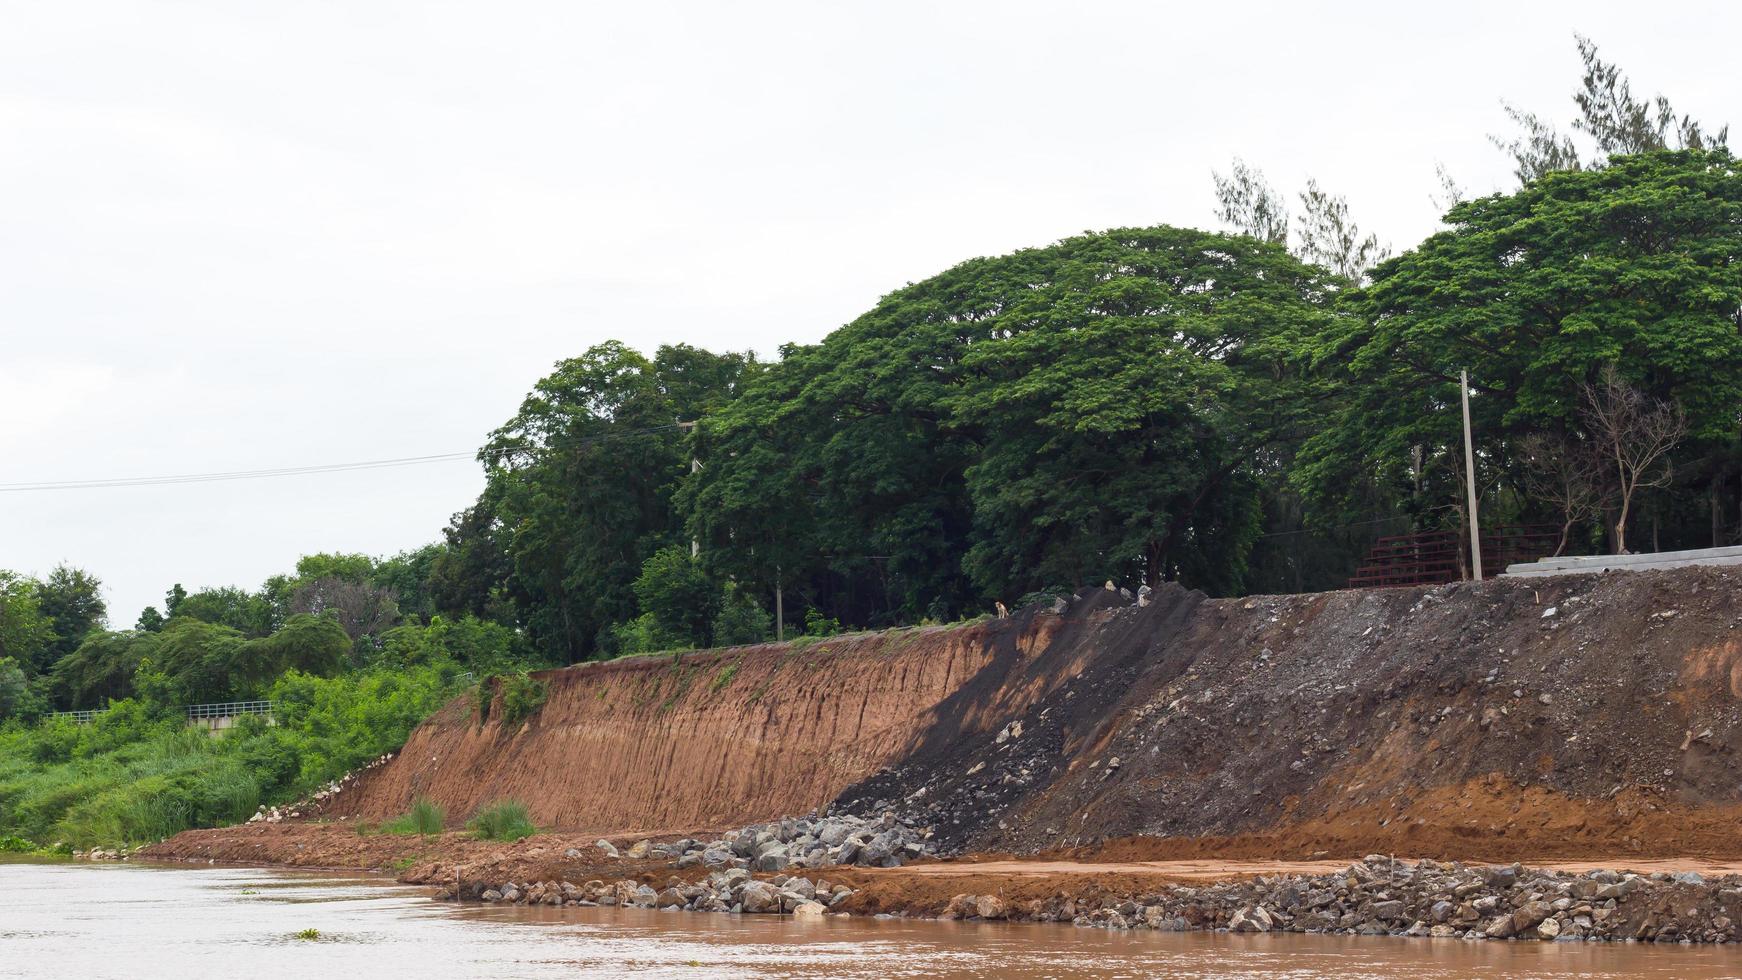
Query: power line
point(310, 470)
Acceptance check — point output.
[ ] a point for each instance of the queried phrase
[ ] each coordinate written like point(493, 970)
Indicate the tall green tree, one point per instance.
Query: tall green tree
point(72, 599)
point(1127, 399)
point(26, 633)
point(675, 590)
point(1101, 407)
point(581, 482)
point(249, 612)
point(103, 667)
point(1537, 293)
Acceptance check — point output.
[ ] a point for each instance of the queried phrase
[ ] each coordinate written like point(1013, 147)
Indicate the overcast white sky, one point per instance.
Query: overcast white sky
point(236, 236)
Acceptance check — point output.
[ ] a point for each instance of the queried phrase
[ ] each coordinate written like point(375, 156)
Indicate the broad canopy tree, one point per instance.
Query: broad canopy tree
point(1098, 408)
point(581, 482)
point(1537, 293)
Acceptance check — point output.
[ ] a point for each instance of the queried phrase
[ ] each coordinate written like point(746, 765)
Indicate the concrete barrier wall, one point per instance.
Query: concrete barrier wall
point(1592, 564)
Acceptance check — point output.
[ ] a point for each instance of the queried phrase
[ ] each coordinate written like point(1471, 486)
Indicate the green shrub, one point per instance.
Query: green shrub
point(640, 635)
point(816, 624)
point(428, 816)
point(482, 693)
point(522, 695)
point(136, 774)
point(742, 619)
point(504, 820)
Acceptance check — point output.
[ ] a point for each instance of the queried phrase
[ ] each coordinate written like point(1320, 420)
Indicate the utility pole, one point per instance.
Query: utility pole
point(695, 467)
point(779, 609)
point(695, 543)
point(1470, 478)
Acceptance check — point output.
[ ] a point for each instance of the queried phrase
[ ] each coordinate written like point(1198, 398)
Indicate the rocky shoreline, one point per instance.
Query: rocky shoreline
point(1378, 896)
point(800, 867)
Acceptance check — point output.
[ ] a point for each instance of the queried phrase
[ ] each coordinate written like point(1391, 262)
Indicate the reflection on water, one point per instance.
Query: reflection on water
point(84, 922)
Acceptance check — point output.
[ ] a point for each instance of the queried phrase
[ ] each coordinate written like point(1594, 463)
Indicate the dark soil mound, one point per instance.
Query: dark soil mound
point(1578, 713)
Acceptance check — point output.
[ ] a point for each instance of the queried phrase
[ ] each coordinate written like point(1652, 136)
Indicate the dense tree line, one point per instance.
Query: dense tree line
point(336, 614)
point(1238, 412)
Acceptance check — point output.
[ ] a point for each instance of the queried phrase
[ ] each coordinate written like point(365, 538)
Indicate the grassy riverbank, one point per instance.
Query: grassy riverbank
point(136, 773)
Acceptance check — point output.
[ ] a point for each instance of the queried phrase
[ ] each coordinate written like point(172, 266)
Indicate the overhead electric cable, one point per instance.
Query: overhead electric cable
point(368, 464)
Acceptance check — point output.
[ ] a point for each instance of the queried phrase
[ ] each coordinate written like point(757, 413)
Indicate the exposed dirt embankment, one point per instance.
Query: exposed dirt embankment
point(1582, 715)
point(721, 738)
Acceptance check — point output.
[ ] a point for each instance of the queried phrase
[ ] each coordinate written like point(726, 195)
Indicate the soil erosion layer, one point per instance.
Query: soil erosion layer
point(1564, 717)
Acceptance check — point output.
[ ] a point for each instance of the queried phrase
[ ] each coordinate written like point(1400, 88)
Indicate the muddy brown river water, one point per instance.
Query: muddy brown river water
point(96, 921)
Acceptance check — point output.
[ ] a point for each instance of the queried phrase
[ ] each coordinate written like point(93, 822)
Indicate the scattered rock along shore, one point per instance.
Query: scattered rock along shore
point(1375, 896)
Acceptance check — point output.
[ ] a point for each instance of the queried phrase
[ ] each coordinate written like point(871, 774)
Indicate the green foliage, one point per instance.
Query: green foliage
point(522, 696)
point(344, 567)
point(72, 599)
point(639, 635)
point(426, 818)
point(20, 697)
point(249, 613)
point(407, 575)
point(193, 662)
point(580, 485)
point(1536, 293)
point(137, 773)
point(818, 625)
point(310, 934)
point(309, 644)
point(679, 595)
point(1103, 407)
point(479, 645)
point(150, 620)
point(504, 820)
point(741, 619)
point(26, 633)
point(103, 667)
point(723, 679)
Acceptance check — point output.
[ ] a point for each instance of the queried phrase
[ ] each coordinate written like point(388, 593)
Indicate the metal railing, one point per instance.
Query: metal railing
point(81, 716)
point(230, 709)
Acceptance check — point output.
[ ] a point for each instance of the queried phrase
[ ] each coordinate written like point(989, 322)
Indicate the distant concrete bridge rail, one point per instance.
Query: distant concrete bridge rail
point(217, 717)
point(1592, 564)
point(212, 717)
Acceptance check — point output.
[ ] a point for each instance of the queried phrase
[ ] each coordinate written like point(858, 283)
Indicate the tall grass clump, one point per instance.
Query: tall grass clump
point(504, 820)
point(426, 818)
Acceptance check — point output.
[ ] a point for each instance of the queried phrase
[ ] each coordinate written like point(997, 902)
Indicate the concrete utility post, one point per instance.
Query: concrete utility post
point(1470, 479)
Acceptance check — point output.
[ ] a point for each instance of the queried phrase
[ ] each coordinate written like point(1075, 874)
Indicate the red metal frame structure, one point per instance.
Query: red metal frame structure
point(1432, 557)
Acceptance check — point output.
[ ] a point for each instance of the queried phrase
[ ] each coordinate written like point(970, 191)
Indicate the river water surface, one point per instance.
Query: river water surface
point(79, 922)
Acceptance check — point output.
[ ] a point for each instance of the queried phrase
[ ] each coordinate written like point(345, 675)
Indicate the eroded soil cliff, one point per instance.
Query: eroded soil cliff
point(1560, 717)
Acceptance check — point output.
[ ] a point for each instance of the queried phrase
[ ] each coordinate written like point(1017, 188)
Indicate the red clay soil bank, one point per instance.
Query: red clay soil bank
point(1457, 722)
point(1583, 715)
point(722, 738)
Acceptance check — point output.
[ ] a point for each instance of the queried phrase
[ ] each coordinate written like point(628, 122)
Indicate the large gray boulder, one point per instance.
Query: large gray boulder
point(759, 896)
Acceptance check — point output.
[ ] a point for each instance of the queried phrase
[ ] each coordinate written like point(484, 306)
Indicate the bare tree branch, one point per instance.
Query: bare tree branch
point(1565, 474)
point(1633, 433)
